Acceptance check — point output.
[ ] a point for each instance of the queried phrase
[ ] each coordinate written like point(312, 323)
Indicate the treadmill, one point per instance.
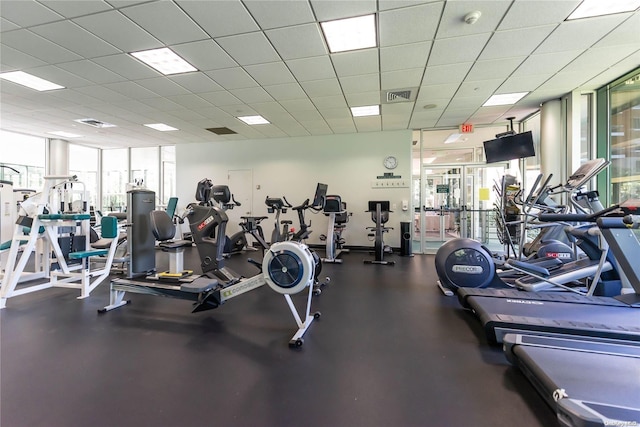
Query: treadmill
point(555, 313)
point(591, 382)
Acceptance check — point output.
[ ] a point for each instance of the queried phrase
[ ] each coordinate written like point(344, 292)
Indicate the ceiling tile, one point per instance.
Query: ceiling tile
point(484, 70)
point(232, 78)
point(328, 102)
point(297, 105)
point(27, 13)
point(321, 87)
point(102, 94)
point(518, 42)
point(317, 127)
point(401, 79)
point(362, 99)
point(396, 4)
point(342, 113)
point(30, 43)
point(317, 68)
point(221, 98)
point(155, 16)
point(13, 59)
point(239, 110)
point(301, 41)
point(368, 124)
point(220, 18)
point(271, 109)
point(75, 38)
point(118, 30)
point(59, 76)
point(278, 13)
point(598, 59)
point(458, 49)
point(341, 125)
point(361, 83)
point(326, 10)
point(6, 25)
point(306, 115)
point(446, 74)
point(272, 73)
point(131, 89)
point(75, 97)
point(205, 55)
point(578, 34)
point(523, 83)
point(530, 13)
point(404, 56)
point(354, 63)
point(285, 91)
point(91, 71)
point(479, 88)
point(196, 82)
point(252, 94)
point(247, 49)
point(409, 25)
point(452, 22)
point(163, 86)
point(193, 102)
point(126, 66)
point(626, 32)
point(75, 8)
point(546, 63)
point(466, 102)
point(162, 104)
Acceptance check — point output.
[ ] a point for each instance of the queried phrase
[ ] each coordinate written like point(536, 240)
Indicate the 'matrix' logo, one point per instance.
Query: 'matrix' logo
point(467, 269)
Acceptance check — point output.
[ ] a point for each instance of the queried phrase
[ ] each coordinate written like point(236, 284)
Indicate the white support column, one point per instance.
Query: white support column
point(58, 157)
point(552, 153)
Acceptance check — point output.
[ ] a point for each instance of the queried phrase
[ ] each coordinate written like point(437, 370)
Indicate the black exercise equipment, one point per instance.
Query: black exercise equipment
point(336, 210)
point(279, 205)
point(379, 215)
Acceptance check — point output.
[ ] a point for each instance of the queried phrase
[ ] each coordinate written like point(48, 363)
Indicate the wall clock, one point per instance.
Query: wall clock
point(390, 162)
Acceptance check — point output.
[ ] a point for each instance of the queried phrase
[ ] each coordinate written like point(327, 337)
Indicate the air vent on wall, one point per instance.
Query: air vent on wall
point(399, 95)
point(221, 131)
point(95, 123)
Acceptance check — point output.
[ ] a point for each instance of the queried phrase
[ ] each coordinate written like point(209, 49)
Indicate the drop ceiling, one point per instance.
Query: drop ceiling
point(269, 58)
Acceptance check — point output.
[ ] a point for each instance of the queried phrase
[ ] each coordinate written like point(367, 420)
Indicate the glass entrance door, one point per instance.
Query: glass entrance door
point(457, 201)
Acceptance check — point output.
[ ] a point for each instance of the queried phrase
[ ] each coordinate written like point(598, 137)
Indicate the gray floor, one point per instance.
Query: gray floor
point(389, 350)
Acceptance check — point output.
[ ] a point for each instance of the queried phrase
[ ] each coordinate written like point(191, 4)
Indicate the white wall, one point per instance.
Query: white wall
point(293, 166)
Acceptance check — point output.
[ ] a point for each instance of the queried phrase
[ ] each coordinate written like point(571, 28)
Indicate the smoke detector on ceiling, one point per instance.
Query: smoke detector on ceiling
point(472, 17)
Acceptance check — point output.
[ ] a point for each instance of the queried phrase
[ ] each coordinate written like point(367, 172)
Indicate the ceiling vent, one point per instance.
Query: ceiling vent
point(399, 95)
point(222, 131)
point(95, 123)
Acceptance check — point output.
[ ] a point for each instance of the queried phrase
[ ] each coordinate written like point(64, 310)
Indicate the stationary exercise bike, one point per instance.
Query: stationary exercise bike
point(379, 215)
point(336, 210)
point(279, 205)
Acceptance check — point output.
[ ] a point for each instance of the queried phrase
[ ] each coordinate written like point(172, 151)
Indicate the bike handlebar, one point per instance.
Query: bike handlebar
point(573, 217)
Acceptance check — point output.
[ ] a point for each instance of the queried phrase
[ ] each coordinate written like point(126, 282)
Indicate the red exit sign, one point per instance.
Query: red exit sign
point(466, 128)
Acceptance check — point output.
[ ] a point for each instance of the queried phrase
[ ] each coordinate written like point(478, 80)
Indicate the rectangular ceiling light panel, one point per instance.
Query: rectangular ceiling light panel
point(590, 8)
point(367, 110)
point(254, 120)
point(505, 99)
point(30, 81)
point(164, 60)
point(161, 127)
point(350, 34)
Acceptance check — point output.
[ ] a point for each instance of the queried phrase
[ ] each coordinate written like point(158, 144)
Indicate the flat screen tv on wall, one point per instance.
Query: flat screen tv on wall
point(509, 147)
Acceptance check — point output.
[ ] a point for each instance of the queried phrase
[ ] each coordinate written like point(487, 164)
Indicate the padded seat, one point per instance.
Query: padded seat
point(164, 230)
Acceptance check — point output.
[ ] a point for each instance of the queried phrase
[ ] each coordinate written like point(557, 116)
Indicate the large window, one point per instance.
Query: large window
point(145, 168)
point(586, 126)
point(624, 119)
point(83, 162)
point(168, 171)
point(27, 156)
point(115, 176)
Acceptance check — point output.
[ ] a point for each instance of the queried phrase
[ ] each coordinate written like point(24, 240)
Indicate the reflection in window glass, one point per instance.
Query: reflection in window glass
point(585, 127)
point(624, 122)
point(168, 158)
point(115, 176)
point(144, 168)
point(532, 164)
point(83, 162)
point(28, 158)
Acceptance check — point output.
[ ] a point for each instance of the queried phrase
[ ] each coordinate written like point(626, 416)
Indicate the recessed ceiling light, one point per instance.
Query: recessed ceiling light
point(505, 99)
point(164, 60)
point(350, 33)
point(589, 8)
point(65, 134)
point(368, 110)
point(254, 120)
point(161, 127)
point(30, 81)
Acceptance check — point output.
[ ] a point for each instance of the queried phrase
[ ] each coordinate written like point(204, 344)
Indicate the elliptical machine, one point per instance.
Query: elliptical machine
point(380, 215)
point(279, 205)
point(336, 210)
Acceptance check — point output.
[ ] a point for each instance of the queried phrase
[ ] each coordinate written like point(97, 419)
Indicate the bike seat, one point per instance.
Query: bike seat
point(286, 221)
